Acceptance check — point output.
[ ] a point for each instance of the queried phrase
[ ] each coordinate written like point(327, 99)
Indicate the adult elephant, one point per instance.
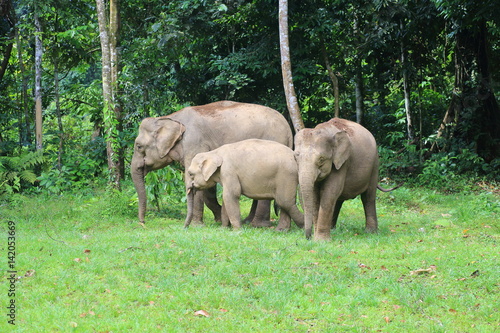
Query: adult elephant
point(337, 160)
point(192, 130)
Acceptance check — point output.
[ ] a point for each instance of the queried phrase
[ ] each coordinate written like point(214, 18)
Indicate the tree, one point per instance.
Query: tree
point(286, 68)
point(38, 80)
point(109, 36)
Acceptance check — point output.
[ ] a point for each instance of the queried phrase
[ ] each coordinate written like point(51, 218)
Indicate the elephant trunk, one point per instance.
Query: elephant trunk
point(190, 191)
point(310, 203)
point(138, 175)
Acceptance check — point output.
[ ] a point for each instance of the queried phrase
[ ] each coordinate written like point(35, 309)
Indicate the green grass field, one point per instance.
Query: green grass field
point(84, 264)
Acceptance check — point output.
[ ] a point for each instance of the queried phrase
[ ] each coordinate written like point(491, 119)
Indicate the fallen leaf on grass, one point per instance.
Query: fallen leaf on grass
point(86, 251)
point(222, 310)
point(473, 275)
point(202, 313)
point(431, 269)
point(29, 273)
point(387, 320)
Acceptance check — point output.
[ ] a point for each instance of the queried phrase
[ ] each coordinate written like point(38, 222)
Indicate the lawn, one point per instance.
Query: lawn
point(84, 264)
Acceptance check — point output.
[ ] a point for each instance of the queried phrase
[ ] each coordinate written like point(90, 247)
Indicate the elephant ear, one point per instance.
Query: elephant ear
point(341, 149)
point(167, 135)
point(210, 165)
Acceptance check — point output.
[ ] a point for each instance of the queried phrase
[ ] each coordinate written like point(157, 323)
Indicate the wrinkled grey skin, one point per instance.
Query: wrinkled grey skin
point(337, 160)
point(258, 169)
point(192, 130)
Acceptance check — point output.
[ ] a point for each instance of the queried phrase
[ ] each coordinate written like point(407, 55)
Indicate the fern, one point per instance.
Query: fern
point(18, 170)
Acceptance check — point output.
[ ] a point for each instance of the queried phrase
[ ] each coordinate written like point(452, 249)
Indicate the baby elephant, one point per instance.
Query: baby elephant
point(258, 169)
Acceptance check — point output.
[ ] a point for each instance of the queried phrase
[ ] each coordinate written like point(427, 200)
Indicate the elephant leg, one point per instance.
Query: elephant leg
point(197, 208)
point(329, 195)
point(336, 212)
point(232, 207)
point(284, 221)
point(251, 215)
point(297, 216)
point(224, 217)
point(262, 214)
point(324, 225)
point(368, 198)
point(210, 199)
point(289, 207)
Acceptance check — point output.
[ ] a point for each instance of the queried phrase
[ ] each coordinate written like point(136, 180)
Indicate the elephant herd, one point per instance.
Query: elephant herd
point(247, 148)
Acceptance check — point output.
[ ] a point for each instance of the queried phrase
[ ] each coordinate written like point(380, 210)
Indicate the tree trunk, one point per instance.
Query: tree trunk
point(407, 95)
point(333, 78)
point(286, 68)
point(8, 13)
point(114, 40)
point(110, 120)
point(38, 82)
point(26, 136)
point(58, 113)
point(5, 61)
point(358, 75)
point(360, 107)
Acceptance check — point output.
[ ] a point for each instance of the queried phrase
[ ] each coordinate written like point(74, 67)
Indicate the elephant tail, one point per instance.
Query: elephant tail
point(389, 189)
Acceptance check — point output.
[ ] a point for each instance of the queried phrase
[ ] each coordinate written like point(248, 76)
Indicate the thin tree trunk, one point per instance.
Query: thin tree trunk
point(58, 113)
point(358, 81)
point(286, 68)
point(38, 82)
point(333, 78)
point(407, 95)
point(5, 61)
point(114, 42)
point(24, 93)
point(8, 13)
point(107, 91)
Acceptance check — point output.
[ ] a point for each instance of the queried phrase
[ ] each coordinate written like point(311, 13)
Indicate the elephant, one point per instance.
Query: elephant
point(337, 160)
point(191, 130)
point(258, 169)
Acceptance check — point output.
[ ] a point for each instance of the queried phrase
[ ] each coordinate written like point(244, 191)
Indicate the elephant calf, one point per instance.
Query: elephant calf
point(258, 169)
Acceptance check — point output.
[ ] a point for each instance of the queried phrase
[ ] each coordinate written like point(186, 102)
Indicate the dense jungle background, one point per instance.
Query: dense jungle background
point(78, 76)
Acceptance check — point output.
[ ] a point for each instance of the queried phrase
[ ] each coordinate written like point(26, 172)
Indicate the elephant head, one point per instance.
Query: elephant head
point(200, 173)
point(317, 152)
point(153, 149)
point(200, 176)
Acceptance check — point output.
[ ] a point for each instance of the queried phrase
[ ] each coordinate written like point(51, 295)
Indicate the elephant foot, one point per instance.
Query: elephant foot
point(322, 237)
point(283, 225)
point(197, 223)
point(282, 228)
point(261, 223)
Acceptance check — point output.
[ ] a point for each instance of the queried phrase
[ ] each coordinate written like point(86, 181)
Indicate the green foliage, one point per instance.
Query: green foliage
point(16, 172)
point(165, 185)
point(81, 168)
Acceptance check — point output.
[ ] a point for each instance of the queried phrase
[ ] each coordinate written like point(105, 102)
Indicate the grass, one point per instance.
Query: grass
point(433, 267)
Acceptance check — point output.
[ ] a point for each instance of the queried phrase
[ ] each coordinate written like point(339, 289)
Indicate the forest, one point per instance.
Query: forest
point(77, 77)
